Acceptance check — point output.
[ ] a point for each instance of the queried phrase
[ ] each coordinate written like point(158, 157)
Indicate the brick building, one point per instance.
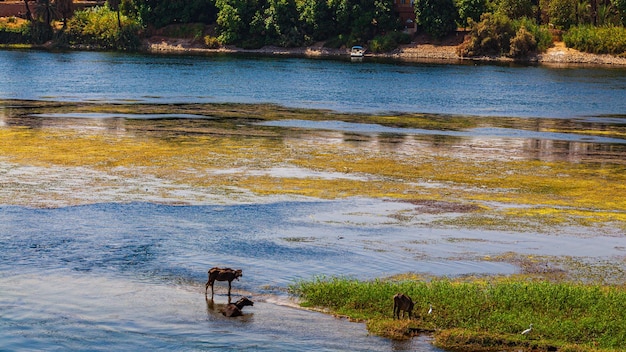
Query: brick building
point(406, 11)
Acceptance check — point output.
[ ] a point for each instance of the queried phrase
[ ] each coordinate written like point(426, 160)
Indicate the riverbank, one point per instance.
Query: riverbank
point(420, 50)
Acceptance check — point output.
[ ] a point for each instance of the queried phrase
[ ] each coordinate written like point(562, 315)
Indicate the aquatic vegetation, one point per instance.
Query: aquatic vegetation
point(482, 314)
point(227, 153)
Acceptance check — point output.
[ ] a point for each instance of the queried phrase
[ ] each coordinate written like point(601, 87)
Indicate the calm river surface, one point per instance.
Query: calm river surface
point(129, 275)
point(339, 85)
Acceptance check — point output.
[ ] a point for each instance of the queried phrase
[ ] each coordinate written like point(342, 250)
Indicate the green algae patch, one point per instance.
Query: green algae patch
point(222, 151)
point(486, 314)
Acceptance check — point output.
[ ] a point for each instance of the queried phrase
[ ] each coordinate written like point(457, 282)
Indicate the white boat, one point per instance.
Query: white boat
point(357, 51)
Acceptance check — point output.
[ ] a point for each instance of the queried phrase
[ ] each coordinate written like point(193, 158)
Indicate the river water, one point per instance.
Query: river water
point(121, 274)
point(338, 85)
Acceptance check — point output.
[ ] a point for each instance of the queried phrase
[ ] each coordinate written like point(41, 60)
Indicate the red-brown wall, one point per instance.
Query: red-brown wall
point(17, 8)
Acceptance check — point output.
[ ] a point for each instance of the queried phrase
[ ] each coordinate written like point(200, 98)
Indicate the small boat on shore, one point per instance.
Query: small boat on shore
point(357, 51)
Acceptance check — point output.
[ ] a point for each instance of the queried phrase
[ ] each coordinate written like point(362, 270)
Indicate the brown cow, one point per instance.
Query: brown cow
point(402, 302)
point(222, 274)
point(234, 309)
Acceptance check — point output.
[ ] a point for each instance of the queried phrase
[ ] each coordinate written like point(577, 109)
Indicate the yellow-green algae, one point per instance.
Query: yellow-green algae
point(507, 189)
point(513, 192)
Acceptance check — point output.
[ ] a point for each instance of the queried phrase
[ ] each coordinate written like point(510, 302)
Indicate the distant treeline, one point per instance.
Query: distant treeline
point(497, 27)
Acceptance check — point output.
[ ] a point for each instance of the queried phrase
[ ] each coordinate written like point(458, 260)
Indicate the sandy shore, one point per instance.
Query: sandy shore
point(419, 52)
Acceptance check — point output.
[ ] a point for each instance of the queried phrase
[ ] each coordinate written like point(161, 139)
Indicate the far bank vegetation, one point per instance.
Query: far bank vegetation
point(513, 28)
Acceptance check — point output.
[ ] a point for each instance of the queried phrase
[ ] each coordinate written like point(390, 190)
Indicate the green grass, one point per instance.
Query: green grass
point(482, 315)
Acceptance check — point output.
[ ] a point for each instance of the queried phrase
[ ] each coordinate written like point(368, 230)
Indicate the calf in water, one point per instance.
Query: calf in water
point(234, 309)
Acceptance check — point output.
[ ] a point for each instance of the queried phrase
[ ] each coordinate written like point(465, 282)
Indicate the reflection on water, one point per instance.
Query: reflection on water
point(113, 276)
point(484, 132)
point(326, 84)
point(55, 311)
point(131, 276)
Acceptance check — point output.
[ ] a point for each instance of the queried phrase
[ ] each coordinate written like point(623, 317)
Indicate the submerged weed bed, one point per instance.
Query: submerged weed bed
point(482, 315)
point(509, 185)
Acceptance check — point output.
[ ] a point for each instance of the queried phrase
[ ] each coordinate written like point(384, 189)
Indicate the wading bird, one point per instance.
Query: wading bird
point(527, 331)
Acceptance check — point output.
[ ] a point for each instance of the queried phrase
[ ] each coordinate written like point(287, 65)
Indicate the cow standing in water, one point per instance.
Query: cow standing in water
point(222, 274)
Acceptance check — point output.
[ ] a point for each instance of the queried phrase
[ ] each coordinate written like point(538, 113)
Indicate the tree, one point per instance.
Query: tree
point(65, 9)
point(491, 36)
point(29, 15)
point(436, 17)
point(562, 13)
point(44, 12)
point(472, 9)
point(516, 9)
point(316, 19)
point(160, 13)
point(114, 5)
point(620, 6)
point(281, 23)
point(235, 19)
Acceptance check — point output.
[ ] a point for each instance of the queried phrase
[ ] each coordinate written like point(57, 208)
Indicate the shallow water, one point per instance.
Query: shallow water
point(478, 133)
point(130, 276)
point(126, 269)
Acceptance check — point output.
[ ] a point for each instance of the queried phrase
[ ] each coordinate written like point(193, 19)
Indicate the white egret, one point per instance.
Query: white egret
point(430, 309)
point(525, 332)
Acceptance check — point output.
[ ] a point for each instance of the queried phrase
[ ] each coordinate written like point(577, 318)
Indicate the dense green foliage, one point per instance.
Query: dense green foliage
point(562, 314)
point(620, 7)
point(98, 26)
point(436, 17)
point(497, 35)
point(514, 28)
point(10, 33)
point(470, 9)
point(516, 9)
point(159, 13)
point(599, 40)
point(563, 13)
point(388, 42)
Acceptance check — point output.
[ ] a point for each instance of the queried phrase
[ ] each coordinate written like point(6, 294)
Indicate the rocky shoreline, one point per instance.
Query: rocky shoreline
point(418, 52)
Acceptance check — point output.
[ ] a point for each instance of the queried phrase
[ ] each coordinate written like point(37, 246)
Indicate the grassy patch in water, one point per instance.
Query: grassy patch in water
point(482, 314)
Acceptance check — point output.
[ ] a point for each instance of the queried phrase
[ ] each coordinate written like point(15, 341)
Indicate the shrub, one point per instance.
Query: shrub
point(12, 33)
point(211, 42)
point(522, 44)
point(491, 36)
point(496, 34)
point(542, 35)
point(388, 42)
point(98, 26)
point(597, 40)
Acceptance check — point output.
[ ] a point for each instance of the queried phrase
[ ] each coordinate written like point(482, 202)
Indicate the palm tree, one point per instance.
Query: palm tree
point(44, 11)
point(65, 8)
point(29, 15)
